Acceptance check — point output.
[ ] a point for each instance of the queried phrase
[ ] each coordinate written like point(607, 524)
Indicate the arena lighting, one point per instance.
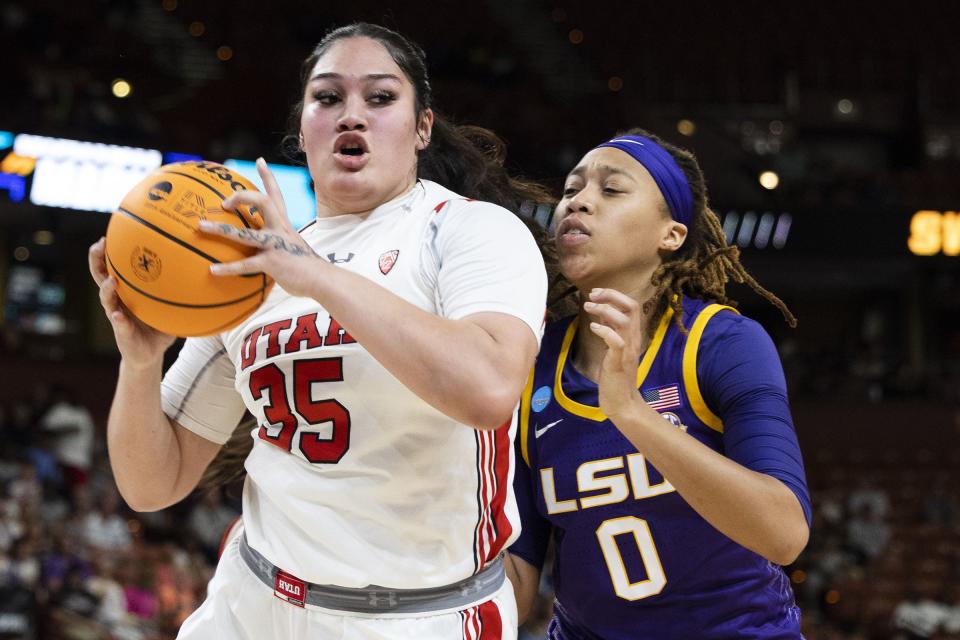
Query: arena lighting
point(20, 254)
point(294, 183)
point(121, 88)
point(14, 185)
point(769, 229)
point(845, 106)
point(615, 83)
point(87, 176)
point(769, 180)
point(747, 227)
point(932, 232)
point(43, 238)
point(224, 53)
point(686, 127)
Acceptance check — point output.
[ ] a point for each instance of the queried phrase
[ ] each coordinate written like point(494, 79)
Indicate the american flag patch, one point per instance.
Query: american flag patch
point(663, 397)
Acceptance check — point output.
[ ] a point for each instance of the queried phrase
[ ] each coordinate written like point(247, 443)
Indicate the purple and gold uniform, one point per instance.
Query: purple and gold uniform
point(633, 559)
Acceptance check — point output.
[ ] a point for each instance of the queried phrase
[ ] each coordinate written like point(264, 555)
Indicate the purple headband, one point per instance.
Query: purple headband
point(665, 171)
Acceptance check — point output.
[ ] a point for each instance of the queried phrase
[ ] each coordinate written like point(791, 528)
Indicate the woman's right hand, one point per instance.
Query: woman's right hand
point(140, 346)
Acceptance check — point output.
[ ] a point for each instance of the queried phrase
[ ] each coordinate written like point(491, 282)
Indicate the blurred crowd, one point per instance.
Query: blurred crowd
point(75, 564)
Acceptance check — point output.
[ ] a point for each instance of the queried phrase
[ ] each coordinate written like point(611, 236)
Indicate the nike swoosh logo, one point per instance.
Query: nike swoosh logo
point(539, 432)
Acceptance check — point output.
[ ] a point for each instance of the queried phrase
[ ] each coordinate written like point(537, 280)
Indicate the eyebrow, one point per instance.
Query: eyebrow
point(603, 168)
point(369, 76)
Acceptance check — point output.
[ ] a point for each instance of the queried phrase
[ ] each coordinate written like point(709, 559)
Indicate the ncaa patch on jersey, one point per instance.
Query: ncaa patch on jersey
point(540, 399)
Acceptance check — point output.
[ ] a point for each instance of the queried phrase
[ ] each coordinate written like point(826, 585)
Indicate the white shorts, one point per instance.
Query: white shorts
point(241, 607)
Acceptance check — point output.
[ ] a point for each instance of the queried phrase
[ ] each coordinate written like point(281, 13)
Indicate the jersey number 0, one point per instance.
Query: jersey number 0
point(277, 411)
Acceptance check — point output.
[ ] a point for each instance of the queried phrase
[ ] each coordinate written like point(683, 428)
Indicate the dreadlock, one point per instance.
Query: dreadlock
point(703, 266)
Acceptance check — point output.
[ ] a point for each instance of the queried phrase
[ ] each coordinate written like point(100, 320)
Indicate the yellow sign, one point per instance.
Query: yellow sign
point(932, 232)
point(20, 165)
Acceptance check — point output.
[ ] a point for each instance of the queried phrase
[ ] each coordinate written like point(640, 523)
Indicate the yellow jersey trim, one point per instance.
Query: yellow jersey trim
point(525, 416)
point(594, 413)
point(690, 382)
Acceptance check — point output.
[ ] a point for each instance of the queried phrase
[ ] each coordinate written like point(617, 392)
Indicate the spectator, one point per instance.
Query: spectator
point(868, 494)
point(209, 521)
point(103, 528)
point(112, 607)
point(916, 617)
point(24, 565)
point(940, 506)
point(26, 488)
point(18, 611)
point(867, 533)
point(73, 429)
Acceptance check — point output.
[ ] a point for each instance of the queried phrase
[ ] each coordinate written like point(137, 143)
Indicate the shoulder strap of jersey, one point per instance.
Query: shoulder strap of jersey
point(690, 380)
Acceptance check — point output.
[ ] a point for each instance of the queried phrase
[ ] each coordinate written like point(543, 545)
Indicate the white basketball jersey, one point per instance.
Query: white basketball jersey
point(353, 479)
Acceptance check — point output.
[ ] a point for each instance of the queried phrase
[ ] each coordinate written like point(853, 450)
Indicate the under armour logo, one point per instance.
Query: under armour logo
point(387, 598)
point(469, 589)
point(332, 257)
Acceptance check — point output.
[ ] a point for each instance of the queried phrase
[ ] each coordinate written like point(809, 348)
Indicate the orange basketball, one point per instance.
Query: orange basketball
point(162, 261)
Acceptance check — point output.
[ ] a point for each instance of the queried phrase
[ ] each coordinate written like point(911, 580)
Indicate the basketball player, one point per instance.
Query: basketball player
point(656, 445)
point(383, 371)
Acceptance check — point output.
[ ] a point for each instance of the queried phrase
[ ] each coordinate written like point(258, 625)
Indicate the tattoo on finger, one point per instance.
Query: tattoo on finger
point(266, 240)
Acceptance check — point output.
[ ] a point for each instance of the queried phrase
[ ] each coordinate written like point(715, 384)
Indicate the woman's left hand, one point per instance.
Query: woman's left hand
point(283, 255)
point(617, 322)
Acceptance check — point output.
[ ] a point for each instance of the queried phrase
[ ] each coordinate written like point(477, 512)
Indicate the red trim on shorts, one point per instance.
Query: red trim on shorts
point(471, 626)
point(491, 624)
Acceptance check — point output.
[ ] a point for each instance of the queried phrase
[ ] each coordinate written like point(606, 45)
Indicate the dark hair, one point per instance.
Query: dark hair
point(465, 159)
point(705, 263)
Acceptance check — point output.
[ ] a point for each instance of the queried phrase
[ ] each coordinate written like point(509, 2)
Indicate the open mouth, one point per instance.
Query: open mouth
point(572, 227)
point(350, 144)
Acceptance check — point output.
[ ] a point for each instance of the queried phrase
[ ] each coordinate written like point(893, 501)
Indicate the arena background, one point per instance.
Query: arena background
point(853, 107)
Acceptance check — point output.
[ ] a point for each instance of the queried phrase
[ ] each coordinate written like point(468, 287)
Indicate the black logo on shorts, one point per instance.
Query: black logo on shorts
point(146, 264)
point(160, 191)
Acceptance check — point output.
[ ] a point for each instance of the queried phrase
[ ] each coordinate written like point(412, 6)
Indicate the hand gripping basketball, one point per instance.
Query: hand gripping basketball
point(161, 260)
point(281, 253)
point(139, 344)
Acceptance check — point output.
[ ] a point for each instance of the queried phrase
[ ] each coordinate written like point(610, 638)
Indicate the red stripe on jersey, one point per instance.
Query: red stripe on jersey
point(501, 469)
point(491, 493)
point(491, 624)
point(484, 537)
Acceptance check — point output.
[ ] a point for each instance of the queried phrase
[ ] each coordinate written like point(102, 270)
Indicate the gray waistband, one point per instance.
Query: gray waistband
point(374, 599)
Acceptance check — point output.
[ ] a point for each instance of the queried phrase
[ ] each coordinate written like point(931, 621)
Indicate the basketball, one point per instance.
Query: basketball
point(161, 259)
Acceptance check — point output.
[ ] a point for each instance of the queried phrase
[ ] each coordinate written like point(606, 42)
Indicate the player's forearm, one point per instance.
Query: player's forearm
point(454, 365)
point(143, 448)
point(753, 509)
